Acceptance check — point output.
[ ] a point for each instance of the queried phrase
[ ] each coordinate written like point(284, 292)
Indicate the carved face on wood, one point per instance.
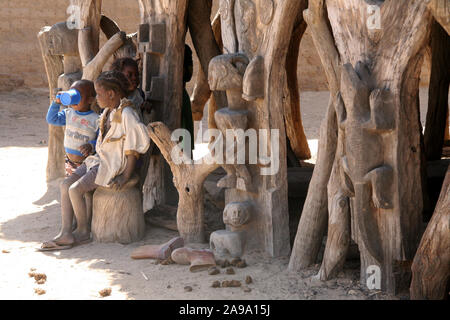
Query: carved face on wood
point(62, 40)
point(237, 214)
point(227, 71)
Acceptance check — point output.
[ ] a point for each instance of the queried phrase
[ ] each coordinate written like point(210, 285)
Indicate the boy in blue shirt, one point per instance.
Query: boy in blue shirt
point(81, 125)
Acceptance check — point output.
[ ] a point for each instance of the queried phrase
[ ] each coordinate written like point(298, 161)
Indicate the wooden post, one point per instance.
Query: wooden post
point(440, 9)
point(437, 114)
point(376, 165)
point(206, 44)
point(292, 115)
point(431, 265)
point(313, 221)
point(54, 68)
point(188, 179)
point(161, 40)
point(256, 36)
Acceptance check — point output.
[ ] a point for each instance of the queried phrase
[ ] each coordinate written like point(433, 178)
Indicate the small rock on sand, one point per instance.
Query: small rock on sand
point(188, 288)
point(248, 280)
point(216, 284)
point(231, 284)
point(241, 264)
point(40, 278)
point(6, 251)
point(39, 291)
point(230, 271)
point(235, 261)
point(105, 292)
point(213, 271)
point(223, 263)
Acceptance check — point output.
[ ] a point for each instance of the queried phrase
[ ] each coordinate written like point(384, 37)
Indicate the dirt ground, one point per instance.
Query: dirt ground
point(30, 214)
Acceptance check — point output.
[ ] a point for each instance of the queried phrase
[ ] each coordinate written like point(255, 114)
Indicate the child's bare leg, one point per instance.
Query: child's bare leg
point(88, 196)
point(65, 236)
point(76, 193)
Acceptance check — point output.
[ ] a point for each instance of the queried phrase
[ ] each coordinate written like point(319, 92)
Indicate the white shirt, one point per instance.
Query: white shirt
point(126, 136)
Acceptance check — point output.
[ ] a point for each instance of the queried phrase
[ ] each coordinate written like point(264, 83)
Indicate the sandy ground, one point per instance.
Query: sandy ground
point(30, 214)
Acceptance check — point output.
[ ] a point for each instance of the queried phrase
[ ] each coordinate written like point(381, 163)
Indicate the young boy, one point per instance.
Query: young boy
point(81, 125)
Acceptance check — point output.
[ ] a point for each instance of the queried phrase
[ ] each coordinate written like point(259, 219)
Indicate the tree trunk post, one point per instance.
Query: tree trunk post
point(313, 221)
point(437, 115)
point(207, 45)
point(377, 160)
point(188, 179)
point(292, 115)
point(252, 71)
point(431, 265)
point(161, 40)
point(54, 68)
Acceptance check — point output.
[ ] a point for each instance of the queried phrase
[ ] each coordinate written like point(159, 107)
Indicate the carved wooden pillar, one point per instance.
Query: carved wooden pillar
point(207, 44)
point(437, 115)
point(54, 67)
point(161, 39)
point(188, 178)
point(256, 35)
point(374, 187)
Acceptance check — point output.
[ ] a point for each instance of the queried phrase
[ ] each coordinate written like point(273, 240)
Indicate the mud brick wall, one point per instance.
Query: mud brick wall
point(20, 58)
point(20, 22)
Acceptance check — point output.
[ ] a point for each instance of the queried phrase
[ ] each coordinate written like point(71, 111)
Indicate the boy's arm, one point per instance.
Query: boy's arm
point(89, 148)
point(56, 117)
point(94, 142)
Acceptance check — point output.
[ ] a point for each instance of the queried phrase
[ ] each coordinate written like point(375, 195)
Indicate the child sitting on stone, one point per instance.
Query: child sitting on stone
point(81, 125)
point(122, 139)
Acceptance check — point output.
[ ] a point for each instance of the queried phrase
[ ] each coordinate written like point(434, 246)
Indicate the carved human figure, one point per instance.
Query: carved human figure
point(62, 41)
point(226, 73)
point(233, 241)
point(237, 214)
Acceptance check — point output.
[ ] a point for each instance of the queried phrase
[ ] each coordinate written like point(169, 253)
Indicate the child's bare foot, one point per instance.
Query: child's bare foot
point(82, 237)
point(60, 242)
point(64, 239)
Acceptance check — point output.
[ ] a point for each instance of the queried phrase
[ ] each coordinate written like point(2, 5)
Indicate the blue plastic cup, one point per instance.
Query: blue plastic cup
point(71, 97)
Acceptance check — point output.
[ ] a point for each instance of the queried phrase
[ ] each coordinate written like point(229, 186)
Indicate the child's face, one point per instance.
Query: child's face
point(132, 75)
point(105, 98)
point(86, 99)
